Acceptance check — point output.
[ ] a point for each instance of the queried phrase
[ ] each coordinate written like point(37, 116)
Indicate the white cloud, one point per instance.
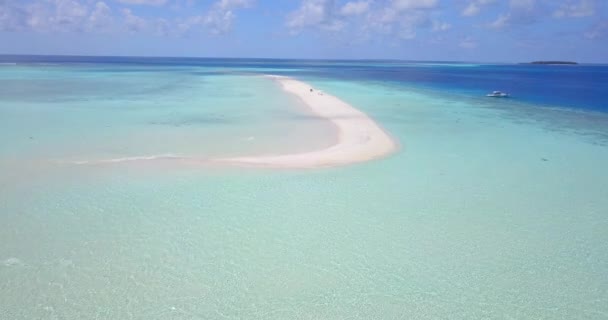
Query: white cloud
point(441, 26)
point(37, 17)
point(55, 16)
point(144, 2)
point(521, 12)
point(133, 22)
point(162, 27)
point(502, 21)
point(100, 18)
point(582, 8)
point(474, 7)
point(234, 4)
point(398, 18)
point(12, 17)
point(404, 18)
point(218, 21)
point(220, 18)
point(354, 8)
point(180, 26)
point(312, 13)
point(401, 18)
point(69, 13)
point(414, 4)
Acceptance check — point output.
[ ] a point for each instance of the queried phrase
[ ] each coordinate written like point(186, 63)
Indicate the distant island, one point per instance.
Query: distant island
point(553, 62)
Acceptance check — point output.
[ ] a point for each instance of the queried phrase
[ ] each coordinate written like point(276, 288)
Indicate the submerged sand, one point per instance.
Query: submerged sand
point(359, 137)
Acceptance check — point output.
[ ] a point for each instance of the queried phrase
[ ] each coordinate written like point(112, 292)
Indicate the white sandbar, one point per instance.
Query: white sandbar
point(359, 137)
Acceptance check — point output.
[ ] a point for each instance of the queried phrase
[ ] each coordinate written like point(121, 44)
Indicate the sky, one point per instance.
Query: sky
point(438, 30)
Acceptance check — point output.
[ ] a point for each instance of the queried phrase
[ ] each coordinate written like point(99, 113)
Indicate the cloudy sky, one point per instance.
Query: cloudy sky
point(470, 30)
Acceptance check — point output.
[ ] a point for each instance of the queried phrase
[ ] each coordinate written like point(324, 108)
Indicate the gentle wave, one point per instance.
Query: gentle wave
point(168, 156)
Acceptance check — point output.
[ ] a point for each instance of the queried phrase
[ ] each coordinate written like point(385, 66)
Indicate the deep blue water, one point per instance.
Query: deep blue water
point(578, 87)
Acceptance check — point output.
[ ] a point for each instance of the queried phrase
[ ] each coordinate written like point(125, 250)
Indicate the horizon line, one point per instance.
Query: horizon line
point(286, 59)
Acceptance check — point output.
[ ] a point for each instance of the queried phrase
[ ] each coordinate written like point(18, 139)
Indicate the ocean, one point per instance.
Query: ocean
point(490, 209)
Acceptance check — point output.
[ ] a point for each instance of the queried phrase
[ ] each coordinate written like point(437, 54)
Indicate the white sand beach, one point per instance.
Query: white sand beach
point(359, 137)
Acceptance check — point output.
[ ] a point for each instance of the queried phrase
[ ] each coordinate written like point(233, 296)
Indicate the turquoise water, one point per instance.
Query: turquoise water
point(96, 113)
point(491, 209)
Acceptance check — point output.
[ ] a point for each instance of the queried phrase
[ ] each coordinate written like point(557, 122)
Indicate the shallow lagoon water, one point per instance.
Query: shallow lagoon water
point(491, 209)
point(110, 112)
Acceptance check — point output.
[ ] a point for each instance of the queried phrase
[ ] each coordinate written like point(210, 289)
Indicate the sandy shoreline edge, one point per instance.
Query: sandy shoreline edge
point(360, 138)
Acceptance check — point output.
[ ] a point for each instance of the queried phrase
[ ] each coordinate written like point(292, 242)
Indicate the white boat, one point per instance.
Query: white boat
point(497, 94)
